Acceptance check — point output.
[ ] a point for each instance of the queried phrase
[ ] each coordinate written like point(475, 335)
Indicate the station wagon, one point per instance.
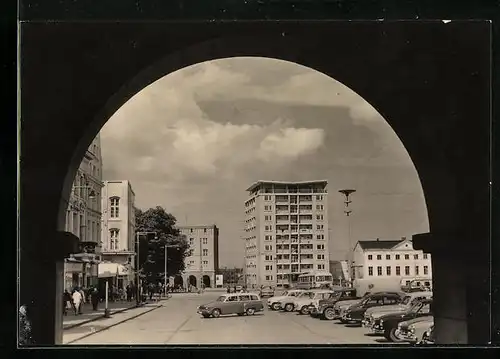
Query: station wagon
point(237, 303)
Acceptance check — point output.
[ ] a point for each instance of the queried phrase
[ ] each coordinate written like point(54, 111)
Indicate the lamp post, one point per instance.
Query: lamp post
point(137, 278)
point(347, 211)
point(165, 275)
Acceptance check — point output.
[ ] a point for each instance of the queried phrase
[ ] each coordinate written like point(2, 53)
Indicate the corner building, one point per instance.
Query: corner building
point(285, 232)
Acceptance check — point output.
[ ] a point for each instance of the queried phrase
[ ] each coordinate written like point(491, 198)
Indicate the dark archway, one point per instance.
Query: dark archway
point(192, 280)
point(178, 281)
point(416, 84)
point(206, 281)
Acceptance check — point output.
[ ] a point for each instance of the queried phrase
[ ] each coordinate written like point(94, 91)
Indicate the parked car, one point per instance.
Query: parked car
point(238, 303)
point(274, 302)
point(288, 303)
point(408, 302)
point(355, 312)
point(340, 307)
point(239, 288)
point(324, 309)
point(413, 331)
point(266, 291)
point(429, 336)
point(302, 303)
point(388, 324)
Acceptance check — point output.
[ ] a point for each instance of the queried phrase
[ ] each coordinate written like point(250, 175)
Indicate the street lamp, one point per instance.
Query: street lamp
point(137, 278)
point(348, 211)
point(176, 246)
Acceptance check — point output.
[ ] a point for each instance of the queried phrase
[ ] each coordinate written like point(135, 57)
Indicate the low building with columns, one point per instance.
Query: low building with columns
point(83, 219)
point(203, 262)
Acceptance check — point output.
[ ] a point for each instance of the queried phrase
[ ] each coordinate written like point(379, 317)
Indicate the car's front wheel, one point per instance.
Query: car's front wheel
point(304, 310)
point(390, 335)
point(275, 306)
point(216, 313)
point(250, 311)
point(329, 314)
point(289, 307)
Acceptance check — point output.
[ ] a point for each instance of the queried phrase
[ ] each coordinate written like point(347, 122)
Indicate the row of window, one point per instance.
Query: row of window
point(319, 217)
point(293, 198)
point(388, 271)
point(204, 241)
point(269, 228)
point(397, 256)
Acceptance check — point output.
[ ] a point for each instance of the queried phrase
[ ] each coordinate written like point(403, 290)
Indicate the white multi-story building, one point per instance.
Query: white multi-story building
point(390, 258)
point(83, 219)
point(203, 262)
point(286, 231)
point(118, 232)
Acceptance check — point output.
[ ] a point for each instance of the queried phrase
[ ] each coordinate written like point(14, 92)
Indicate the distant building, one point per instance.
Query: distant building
point(286, 231)
point(83, 219)
point(118, 232)
point(335, 268)
point(390, 258)
point(203, 263)
point(231, 275)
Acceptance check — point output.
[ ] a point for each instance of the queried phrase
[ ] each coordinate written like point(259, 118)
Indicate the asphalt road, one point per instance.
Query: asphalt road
point(178, 323)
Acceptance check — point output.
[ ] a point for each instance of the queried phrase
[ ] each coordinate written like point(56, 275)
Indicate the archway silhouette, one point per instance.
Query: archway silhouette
point(206, 281)
point(192, 280)
point(409, 94)
point(178, 281)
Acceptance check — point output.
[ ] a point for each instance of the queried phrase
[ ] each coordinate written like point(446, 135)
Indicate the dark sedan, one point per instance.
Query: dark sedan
point(388, 324)
point(356, 312)
point(324, 308)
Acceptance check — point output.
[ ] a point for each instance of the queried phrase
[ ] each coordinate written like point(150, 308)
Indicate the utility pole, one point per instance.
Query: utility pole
point(347, 211)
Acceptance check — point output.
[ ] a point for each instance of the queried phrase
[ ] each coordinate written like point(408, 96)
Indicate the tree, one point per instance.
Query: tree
point(152, 247)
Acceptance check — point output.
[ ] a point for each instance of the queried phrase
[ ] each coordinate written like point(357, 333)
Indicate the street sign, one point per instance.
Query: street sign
point(219, 280)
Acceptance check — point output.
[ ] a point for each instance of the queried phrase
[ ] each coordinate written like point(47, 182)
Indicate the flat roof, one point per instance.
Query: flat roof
point(197, 227)
point(293, 183)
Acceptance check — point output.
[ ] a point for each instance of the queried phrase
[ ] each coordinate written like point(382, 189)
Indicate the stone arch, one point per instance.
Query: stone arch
point(178, 281)
point(207, 281)
point(192, 280)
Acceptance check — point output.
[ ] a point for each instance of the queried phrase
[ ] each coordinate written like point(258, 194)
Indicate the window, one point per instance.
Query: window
point(426, 270)
point(319, 198)
point(388, 256)
point(370, 271)
point(398, 270)
point(407, 270)
point(319, 227)
point(370, 257)
point(205, 240)
point(267, 198)
point(268, 228)
point(191, 241)
point(254, 297)
point(267, 218)
point(319, 207)
point(269, 238)
point(321, 256)
point(415, 256)
point(321, 266)
point(379, 257)
point(320, 246)
point(417, 270)
point(390, 300)
point(269, 267)
point(425, 255)
point(319, 217)
point(113, 238)
point(379, 271)
point(397, 256)
point(205, 252)
point(388, 270)
point(205, 262)
point(320, 236)
point(204, 230)
point(269, 277)
point(115, 207)
point(244, 298)
point(407, 256)
point(269, 258)
point(232, 299)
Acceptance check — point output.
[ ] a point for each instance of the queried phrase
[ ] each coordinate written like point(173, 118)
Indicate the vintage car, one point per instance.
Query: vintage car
point(288, 303)
point(324, 308)
point(340, 307)
point(428, 337)
point(302, 303)
point(238, 303)
point(274, 303)
point(355, 312)
point(266, 291)
point(387, 324)
point(408, 302)
point(412, 331)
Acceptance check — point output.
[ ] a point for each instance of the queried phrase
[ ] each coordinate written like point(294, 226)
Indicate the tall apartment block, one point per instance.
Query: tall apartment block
point(286, 231)
point(203, 263)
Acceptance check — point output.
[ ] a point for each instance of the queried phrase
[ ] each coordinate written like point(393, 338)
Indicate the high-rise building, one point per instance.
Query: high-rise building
point(83, 219)
point(203, 262)
point(118, 232)
point(286, 231)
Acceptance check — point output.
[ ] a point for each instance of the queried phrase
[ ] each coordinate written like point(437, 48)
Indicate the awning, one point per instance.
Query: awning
point(108, 270)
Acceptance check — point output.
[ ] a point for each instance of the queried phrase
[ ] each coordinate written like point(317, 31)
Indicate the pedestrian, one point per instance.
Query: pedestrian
point(94, 298)
point(77, 301)
point(150, 290)
point(66, 302)
point(228, 289)
point(128, 290)
point(84, 300)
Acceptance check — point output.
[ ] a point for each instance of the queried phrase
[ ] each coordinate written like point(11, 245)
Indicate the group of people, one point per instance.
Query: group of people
point(75, 299)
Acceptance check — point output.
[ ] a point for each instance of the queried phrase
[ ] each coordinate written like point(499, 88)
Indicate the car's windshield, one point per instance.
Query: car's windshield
point(416, 307)
point(335, 295)
point(221, 298)
point(406, 300)
point(313, 295)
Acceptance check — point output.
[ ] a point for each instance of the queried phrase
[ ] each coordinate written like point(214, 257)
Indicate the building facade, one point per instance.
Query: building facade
point(286, 231)
point(83, 219)
point(203, 262)
point(118, 232)
point(383, 258)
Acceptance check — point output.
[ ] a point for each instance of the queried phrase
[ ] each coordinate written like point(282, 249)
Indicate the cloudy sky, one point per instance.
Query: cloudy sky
point(194, 140)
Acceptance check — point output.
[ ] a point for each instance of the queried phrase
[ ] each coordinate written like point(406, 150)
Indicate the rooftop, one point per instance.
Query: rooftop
point(261, 182)
point(379, 244)
point(197, 227)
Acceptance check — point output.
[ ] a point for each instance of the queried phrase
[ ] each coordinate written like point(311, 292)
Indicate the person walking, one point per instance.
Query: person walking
point(84, 300)
point(77, 301)
point(128, 290)
point(66, 302)
point(94, 298)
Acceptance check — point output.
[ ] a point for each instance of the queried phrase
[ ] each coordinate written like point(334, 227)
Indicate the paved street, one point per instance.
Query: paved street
point(177, 322)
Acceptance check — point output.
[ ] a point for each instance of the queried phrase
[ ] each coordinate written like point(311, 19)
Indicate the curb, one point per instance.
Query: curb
point(71, 326)
point(113, 325)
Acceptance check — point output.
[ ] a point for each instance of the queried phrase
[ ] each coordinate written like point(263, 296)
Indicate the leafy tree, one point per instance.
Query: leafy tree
point(152, 245)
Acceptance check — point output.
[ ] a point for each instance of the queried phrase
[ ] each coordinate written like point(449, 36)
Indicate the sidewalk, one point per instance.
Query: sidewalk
point(74, 334)
point(71, 320)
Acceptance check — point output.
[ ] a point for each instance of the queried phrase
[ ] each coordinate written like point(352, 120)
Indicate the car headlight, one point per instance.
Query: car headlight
point(412, 329)
point(381, 321)
point(400, 326)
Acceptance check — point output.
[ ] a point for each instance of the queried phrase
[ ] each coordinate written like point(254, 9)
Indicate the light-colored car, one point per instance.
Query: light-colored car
point(372, 314)
point(274, 303)
point(302, 303)
point(288, 303)
point(412, 331)
point(234, 303)
point(266, 291)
